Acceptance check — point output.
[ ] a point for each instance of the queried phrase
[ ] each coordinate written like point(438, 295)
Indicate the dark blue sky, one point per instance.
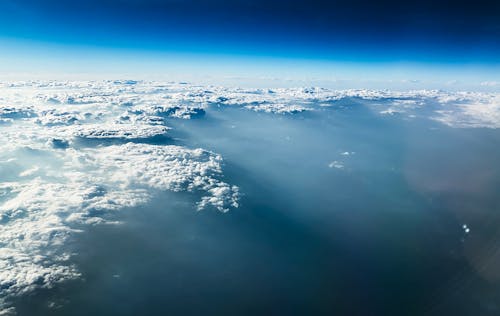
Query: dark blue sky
point(428, 31)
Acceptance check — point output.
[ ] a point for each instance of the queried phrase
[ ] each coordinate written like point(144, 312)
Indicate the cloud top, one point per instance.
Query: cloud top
point(72, 151)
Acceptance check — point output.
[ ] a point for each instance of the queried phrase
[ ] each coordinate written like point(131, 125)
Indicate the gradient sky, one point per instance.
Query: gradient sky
point(326, 39)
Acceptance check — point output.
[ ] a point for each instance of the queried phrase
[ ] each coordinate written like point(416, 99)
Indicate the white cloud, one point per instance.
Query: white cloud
point(490, 83)
point(470, 110)
point(277, 108)
point(53, 187)
point(38, 214)
point(115, 131)
point(336, 164)
point(51, 184)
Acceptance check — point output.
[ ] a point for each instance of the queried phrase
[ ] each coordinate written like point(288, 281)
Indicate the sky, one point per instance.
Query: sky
point(351, 40)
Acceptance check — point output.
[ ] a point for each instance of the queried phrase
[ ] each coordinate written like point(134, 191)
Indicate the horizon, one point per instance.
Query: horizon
point(442, 45)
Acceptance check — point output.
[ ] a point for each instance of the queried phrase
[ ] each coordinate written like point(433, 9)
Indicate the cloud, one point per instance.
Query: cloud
point(60, 171)
point(53, 117)
point(39, 214)
point(336, 164)
point(278, 108)
point(116, 131)
point(470, 110)
point(172, 168)
point(16, 112)
point(490, 83)
point(54, 187)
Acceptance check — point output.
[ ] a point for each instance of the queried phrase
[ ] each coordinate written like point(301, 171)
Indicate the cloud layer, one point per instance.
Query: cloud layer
point(52, 184)
point(70, 152)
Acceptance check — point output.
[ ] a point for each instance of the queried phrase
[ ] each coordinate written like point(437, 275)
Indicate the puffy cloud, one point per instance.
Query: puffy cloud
point(39, 212)
point(13, 113)
point(53, 117)
point(277, 108)
point(171, 167)
point(116, 131)
point(54, 187)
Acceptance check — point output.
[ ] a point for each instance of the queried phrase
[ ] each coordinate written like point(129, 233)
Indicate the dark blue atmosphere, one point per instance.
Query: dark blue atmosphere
point(431, 31)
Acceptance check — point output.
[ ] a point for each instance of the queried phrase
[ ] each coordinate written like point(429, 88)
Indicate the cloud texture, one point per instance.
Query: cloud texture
point(71, 152)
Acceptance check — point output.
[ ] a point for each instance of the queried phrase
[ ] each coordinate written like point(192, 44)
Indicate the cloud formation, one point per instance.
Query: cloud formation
point(53, 182)
point(50, 187)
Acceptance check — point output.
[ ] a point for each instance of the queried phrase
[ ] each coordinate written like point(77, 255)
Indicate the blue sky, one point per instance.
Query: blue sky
point(329, 40)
